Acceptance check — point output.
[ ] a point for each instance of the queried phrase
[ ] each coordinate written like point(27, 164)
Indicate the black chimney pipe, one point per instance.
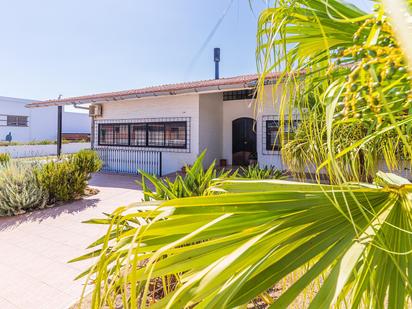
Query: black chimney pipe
point(217, 60)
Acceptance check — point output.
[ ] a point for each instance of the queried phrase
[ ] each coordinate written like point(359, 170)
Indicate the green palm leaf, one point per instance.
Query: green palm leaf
point(345, 245)
point(355, 79)
point(227, 250)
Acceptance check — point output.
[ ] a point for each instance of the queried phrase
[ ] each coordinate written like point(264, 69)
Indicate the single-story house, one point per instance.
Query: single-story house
point(162, 128)
point(21, 124)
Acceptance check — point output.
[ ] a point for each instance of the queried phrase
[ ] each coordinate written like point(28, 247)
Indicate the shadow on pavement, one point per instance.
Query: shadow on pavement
point(43, 214)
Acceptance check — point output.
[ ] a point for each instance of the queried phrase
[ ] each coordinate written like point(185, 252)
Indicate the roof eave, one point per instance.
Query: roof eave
point(105, 99)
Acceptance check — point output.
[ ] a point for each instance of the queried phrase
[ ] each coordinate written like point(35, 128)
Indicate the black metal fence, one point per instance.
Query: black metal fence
point(128, 161)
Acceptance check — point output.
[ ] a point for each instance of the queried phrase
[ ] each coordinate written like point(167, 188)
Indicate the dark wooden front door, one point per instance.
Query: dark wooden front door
point(243, 140)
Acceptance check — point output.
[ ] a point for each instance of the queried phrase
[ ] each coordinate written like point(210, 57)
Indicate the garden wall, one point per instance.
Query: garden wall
point(23, 151)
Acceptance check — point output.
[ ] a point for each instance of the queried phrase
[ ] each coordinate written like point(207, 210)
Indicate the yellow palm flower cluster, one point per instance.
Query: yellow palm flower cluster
point(378, 84)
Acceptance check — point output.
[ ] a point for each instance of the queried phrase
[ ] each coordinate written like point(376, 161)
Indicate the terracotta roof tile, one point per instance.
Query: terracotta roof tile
point(168, 88)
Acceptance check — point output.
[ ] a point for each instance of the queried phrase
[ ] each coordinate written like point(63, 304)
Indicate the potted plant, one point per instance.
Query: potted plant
point(253, 158)
point(185, 167)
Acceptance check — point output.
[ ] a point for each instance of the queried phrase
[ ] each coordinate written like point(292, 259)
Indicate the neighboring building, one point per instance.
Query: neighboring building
point(159, 129)
point(27, 124)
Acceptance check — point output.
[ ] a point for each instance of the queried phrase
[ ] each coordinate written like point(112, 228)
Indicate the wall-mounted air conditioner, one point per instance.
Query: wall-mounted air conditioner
point(95, 110)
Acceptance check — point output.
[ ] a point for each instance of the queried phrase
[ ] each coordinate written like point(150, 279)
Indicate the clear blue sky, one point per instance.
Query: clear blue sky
point(76, 47)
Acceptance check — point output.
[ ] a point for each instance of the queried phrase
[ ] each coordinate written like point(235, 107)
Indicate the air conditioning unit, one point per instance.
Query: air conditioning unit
point(95, 110)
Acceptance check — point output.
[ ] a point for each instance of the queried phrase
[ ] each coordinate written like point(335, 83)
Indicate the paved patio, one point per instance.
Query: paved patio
point(35, 247)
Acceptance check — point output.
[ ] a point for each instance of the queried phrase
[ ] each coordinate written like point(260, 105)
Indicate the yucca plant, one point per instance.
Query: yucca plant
point(195, 182)
point(256, 172)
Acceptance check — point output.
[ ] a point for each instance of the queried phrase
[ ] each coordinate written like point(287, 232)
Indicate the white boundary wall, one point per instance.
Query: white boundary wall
point(24, 151)
point(42, 122)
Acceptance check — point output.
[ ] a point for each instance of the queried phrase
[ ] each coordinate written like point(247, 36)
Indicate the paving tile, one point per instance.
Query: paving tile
point(4, 304)
point(35, 247)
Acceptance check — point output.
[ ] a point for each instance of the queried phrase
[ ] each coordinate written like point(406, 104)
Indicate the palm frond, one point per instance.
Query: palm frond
point(226, 250)
point(352, 65)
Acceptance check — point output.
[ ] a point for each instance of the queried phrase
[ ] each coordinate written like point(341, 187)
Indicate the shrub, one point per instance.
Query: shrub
point(19, 190)
point(87, 161)
point(62, 180)
point(35, 142)
point(30, 185)
point(195, 182)
point(41, 142)
point(4, 158)
point(255, 172)
point(67, 179)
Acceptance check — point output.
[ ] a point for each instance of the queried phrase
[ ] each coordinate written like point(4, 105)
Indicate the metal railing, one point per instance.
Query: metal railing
point(128, 161)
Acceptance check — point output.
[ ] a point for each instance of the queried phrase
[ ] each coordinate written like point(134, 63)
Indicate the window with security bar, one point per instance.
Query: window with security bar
point(245, 94)
point(138, 134)
point(17, 121)
point(121, 135)
point(152, 134)
point(175, 134)
point(106, 134)
point(156, 134)
point(273, 141)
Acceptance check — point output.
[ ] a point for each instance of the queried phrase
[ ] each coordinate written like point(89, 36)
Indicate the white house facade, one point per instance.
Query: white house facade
point(160, 129)
point(24, 124)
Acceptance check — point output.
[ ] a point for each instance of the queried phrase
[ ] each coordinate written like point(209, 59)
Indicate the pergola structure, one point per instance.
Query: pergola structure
point(60, 106)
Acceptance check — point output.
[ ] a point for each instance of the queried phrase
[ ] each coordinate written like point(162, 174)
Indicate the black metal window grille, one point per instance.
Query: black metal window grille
point(156, 134)
point(151, 134)
point(245, 94)
point(273, 141)
point(17, 121)
point(138, 134)
point(272, 130)
point(121, 135)
point(106, 134)
point(175, 134)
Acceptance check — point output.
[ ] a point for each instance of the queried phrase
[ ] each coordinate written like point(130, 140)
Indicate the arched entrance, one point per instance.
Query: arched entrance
point(243, 141)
